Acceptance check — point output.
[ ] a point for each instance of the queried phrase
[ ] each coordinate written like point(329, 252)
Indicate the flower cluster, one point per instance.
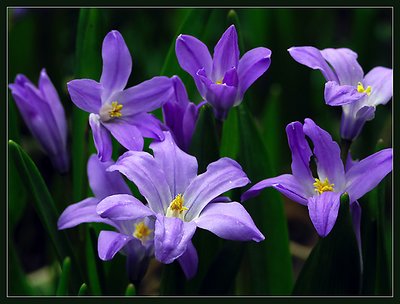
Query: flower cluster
point(178, 199)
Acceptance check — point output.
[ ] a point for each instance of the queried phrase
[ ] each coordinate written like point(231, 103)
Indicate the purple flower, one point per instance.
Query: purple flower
point(43, 113)
point(347, 86)
point(322, 194)
point(223, 79)
point(180, 200)
point(180, 115)
point(134, 237)
point(123, 113)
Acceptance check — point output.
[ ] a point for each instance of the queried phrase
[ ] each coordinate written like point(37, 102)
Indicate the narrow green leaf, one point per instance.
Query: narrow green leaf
point(230, 139)
point(62, 289)
point(222, 272)
point(17, 282)
point(94, 265)
point(88, 65)
point(333, 267)
point(83, 290)
point(130, 290)
point(269, 262)
point(42, 199)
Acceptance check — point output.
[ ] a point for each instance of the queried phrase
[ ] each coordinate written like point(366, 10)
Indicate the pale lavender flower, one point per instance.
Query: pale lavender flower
point(347, 86)
point(180, 201)
point(121, 112)
point(322, 195)
point(223, 79)
point(44, 115)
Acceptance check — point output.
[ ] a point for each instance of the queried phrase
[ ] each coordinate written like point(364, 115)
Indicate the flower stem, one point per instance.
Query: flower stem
point(345, 148)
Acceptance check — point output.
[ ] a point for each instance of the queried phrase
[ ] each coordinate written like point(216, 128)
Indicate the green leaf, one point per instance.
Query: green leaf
point(268, 262)
point(83, 290)
point(62, 289)
point(221, 274)
point(42, 200)
point(230, 139)
point(94, 265)
point(333, 267)
point(130, 290)
point(88, 65)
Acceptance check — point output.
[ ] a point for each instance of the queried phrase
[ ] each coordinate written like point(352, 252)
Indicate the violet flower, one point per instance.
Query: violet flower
point(347, 86)
point(43, 113)
point(123, 113)
point(180, 201)
point(322, 194)
point(180, 115)
point(223, 79)
point(138, 246)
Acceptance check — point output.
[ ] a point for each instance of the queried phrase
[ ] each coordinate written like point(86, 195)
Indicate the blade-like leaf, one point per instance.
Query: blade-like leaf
point(333, 267)
point(94, 265)
point(62, 288)
point(268, 262)
point(83, 290)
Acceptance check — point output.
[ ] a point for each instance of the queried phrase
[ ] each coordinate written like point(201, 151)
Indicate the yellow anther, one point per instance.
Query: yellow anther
point(115, 109)
point(323, 186)
point(360, 89)
point(219, 81)
point(176, 207)
point(141, 231)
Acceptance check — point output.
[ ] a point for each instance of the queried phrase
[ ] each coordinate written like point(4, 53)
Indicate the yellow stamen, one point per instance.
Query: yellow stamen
point(115, 109)
point(323, 186)
point(141, 231)
point(360, 89)
point(219, 81)
point(176, 207)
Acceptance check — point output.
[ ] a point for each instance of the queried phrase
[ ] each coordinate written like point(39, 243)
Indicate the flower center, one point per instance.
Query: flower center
point(323, 186)
point(115, 109)
point(360, 89)
point(219, 81)
point(141, 231)
point(176, 207)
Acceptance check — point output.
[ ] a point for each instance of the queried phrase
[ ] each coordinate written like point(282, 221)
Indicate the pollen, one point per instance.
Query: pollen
point(176, 207)
point(323, 186)
point(219, 81)
point(361, 89)
point(141, 231)
point(115, 109)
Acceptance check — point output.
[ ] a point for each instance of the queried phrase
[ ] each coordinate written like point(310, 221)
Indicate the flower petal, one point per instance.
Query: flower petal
point(229, 221)
point(354, 118)
point(101, 138)
point(226, 53)
point(323, 210)
point(110, 242)
point(179, 167)
point(144, 171)
point(117, 64)
point(327, 153)
point(345, 64)
point(137, 261)
point(125, 133)
point(222, 175)
point(145, 97)
point(122, 207)
point(286, 184)
point(86, 94)
point(102, 182)
point(148, 125)
point(171, 237)
point(189, 261)
point(192, 55)
point(312, 57)
point(251, 66)
point(381, 81)
point(368, 173)
point(82, 212)
point(51, 96)
point(301, 154)
point(338, 95)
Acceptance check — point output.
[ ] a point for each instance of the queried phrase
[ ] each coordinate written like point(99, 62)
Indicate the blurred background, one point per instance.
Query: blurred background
point(46, 38)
